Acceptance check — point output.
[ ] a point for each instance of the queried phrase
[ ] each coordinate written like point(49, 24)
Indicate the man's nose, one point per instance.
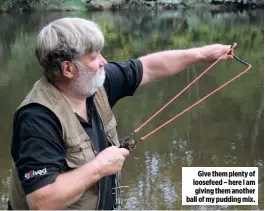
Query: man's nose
point(103, 61)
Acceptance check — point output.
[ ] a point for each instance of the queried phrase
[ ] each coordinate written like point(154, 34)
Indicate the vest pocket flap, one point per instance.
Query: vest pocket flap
point(74, 140)
point(79, 155)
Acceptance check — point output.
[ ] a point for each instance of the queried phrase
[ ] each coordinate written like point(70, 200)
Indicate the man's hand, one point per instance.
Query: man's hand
point(211, 53)
point(111, 160)
point(63, 192)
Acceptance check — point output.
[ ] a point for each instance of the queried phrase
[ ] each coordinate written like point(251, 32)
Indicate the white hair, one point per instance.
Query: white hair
point(66, 39)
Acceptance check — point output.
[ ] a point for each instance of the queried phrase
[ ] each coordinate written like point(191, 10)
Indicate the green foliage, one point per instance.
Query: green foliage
point(29, 5)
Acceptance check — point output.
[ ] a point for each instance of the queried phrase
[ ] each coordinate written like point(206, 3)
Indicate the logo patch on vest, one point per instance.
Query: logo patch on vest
point(33, 173)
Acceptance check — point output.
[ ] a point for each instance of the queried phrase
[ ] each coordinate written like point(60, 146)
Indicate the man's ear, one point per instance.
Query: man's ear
point(67, 69)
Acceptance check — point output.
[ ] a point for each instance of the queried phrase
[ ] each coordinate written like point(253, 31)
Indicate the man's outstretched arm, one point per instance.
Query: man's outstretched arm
point(167, 63)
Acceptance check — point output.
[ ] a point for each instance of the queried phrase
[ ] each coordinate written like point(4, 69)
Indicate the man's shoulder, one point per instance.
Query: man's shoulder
point(35, 120)
point(122, 79)
point(34, 112)
point(33, 109)
point(123, 64)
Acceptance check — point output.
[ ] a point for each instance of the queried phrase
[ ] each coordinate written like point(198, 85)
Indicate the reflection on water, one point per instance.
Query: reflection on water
point(224, 130)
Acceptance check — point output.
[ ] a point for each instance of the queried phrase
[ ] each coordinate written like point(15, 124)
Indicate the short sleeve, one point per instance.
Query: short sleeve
point(122, 79)
point(37, 147)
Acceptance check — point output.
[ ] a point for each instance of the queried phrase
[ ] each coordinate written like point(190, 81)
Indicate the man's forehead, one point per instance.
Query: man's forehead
point(88, 56)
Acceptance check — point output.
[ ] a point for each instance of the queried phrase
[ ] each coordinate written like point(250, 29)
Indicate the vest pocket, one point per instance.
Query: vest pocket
point(80, 154)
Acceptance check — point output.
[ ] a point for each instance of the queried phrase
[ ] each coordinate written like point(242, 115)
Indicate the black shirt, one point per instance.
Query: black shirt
point(37, 144)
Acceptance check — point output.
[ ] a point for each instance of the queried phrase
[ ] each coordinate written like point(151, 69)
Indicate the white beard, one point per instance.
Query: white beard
point(87, 83)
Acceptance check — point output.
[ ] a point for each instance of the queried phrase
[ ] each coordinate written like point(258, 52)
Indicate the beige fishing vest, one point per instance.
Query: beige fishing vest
point(78, 146)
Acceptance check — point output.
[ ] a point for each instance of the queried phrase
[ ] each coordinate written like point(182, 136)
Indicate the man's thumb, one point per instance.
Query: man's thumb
point(125, 152)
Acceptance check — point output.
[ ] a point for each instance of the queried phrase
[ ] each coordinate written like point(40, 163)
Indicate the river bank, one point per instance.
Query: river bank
point(101, 5)
point(172, 4)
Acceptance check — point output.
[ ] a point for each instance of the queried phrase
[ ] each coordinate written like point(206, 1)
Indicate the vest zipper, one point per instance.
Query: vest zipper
point(112, 143)
point(98, 195)
point(95, 153)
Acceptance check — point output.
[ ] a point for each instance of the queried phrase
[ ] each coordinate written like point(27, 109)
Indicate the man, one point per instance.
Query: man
point(65, 147)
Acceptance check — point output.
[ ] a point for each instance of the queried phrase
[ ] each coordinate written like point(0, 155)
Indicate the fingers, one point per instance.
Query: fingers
point(232, 48)
point(227, 57)
point(216, 51)
point(234, 45)
point(124, 152)
point(229, 51)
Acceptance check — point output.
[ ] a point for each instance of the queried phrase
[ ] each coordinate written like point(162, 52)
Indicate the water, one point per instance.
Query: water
point(224, 130)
